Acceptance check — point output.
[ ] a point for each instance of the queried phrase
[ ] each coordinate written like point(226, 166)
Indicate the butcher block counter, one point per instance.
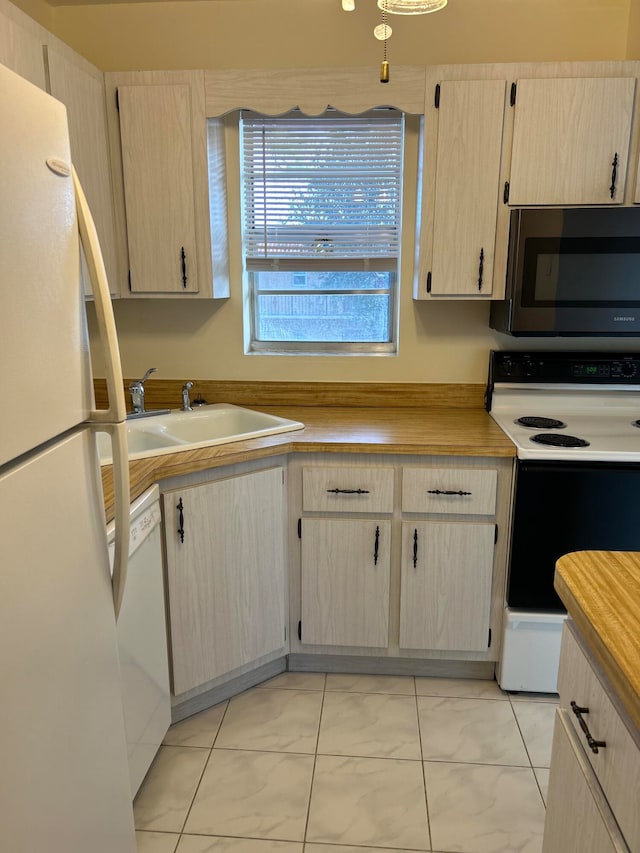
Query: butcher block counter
point(601, 591)
point(418, 428)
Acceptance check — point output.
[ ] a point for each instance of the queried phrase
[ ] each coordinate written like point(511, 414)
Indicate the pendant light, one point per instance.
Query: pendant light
point(411, 7)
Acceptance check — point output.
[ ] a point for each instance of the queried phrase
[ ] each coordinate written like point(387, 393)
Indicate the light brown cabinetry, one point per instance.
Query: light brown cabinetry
point(345, 563)
point(226, 575)
point(470, 117)
point(578, 819)
point(401, 560)
point(345, 582)
point(447, 564)
point(571, 141)
point(158, 138)
point(157, 165)
point(81, 90)
point(445, 597)
point(21, 41)
point(604, 758)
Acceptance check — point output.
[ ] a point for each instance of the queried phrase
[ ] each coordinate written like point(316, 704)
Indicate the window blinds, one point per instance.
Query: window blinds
point(322, 192)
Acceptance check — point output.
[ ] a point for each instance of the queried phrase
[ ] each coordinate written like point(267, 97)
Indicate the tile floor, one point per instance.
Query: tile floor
point(308, 763)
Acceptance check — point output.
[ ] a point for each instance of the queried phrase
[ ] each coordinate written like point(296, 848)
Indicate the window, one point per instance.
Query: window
point(321, 230)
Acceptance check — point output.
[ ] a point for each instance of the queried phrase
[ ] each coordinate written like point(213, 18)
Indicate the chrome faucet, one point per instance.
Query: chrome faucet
point(186, 402)
point(136, 389)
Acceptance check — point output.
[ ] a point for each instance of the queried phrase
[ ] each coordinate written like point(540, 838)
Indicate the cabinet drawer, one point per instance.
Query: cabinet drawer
point(617, 765)
point(465, 491)
point(347, 489)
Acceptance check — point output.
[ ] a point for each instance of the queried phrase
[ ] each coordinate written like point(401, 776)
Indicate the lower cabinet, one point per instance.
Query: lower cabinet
point(579, 819)
point(595, 762)
point(345, 581)
point(226, 574)
point(445, 585)
point(399, 557)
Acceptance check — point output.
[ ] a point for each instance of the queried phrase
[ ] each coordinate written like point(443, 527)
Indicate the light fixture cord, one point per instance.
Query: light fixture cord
point(384, 72)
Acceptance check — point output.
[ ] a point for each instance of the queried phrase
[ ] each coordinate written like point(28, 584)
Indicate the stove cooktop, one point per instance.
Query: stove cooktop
point(532, 396)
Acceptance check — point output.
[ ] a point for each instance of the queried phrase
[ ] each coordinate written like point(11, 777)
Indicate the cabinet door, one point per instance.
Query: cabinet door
point(571, 141)
point(470, 119)
point(21, 40)
point(226, 579)
point(345, 582)
point(579, 819)
point(83, 95)
point(157, 163)
point(445, 596)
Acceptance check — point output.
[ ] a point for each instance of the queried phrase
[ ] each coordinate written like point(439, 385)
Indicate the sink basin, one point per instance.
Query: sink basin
point(220, 423)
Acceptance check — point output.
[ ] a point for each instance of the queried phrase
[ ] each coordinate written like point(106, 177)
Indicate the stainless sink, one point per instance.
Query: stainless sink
point(220, 423)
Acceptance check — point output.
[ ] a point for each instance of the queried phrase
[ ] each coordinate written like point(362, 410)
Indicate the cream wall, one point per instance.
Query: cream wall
point(633, 40)
point(445, 342)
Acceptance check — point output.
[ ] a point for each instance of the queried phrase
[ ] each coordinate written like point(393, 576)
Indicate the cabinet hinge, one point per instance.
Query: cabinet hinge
point(428, 282)
point(436, 99)
point(505, 195)
point(495, 535)
point(129, 279)
point(117, 100)
point(489, 644)
point(300, 630)
point(512, 98)
point(299, 528)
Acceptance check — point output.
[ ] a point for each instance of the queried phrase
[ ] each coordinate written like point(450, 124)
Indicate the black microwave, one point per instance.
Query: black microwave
point(572, 271)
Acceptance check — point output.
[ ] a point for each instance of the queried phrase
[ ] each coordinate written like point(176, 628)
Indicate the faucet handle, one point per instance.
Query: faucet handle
point(147, 374)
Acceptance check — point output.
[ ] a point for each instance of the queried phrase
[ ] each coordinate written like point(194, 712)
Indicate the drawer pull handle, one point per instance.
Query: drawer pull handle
point(180, 508)
point(376, 545)
point(348, 491)
point(594, 745)
point(415, 547)
point(446, 492)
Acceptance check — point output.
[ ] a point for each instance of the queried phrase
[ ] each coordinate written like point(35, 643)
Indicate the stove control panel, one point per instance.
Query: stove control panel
point(565, 367)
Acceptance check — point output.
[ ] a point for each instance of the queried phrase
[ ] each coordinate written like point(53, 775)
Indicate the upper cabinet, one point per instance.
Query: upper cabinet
point(21, 40)
point(467, 175)
point(571, 141)
point(159, 146)
point(80, 87)
point(461, 190)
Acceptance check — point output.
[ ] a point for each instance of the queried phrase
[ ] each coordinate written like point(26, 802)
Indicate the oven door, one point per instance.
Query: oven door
point(562, 507)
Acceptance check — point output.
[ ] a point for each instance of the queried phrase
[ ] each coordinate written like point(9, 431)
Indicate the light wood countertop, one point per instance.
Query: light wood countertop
point(420, 431)
point(601, 591)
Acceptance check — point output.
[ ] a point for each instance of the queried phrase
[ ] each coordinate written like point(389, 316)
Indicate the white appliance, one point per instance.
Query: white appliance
point(142, 638)
point(574, 418)
point(64, 785)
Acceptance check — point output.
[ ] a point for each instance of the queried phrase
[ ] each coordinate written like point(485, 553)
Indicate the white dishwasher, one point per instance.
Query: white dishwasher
point(142, 639)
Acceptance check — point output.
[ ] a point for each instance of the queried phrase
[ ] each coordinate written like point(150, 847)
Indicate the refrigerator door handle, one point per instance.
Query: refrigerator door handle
point(104, 312)
point(113, 418)
point(118, 434)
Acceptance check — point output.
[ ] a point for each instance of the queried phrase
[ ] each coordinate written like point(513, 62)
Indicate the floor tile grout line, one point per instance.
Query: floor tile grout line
point(313, 770)
point(544, 804)
point(206, 764)
point(422, 766)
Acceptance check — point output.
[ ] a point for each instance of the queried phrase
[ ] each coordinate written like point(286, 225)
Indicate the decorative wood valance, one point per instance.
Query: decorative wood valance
point(312, 90)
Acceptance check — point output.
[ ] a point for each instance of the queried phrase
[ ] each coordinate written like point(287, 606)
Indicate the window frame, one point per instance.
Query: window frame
point(314, 347)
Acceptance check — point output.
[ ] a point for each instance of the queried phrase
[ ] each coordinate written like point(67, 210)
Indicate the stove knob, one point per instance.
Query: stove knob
point(529, 368)
point(629, 369)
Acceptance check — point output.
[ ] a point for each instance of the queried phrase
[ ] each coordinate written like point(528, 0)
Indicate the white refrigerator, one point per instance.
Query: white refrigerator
point(64, 785)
